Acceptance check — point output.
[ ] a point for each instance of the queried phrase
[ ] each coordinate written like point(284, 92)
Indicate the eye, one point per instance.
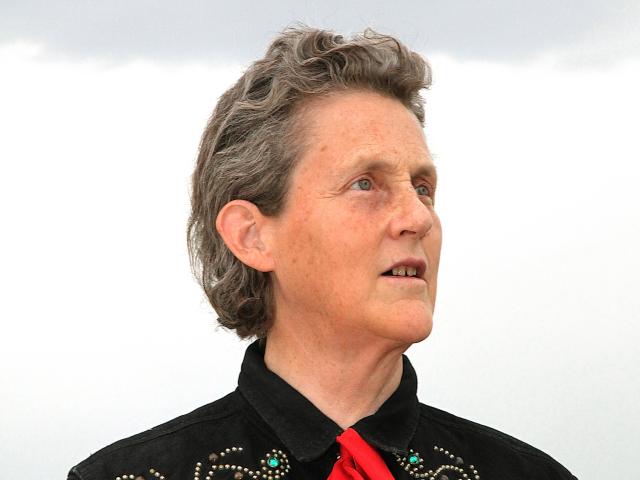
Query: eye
point(423, 190)
point(363, 184)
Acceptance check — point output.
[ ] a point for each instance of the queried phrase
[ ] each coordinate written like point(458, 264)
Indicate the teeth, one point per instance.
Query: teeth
point(404, 271)
point(399, 271)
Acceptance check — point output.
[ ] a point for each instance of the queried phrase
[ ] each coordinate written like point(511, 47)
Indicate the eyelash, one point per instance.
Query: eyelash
point(428, 187)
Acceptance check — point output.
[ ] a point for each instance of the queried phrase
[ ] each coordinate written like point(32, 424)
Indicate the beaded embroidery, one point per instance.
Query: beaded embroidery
point(275, 466)
point(413, 464)
point(154, 474)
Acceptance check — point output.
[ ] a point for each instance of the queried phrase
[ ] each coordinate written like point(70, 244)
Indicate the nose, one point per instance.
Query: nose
point(411, 215)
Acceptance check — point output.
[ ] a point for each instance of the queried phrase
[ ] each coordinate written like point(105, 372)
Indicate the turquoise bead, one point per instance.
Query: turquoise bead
point(273, 462)
point(413, 459)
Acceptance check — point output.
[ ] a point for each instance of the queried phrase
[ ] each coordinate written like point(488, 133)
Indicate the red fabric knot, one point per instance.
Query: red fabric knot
point(358, 460)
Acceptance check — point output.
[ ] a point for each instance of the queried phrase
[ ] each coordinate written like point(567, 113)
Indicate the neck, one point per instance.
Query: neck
point(346, 380)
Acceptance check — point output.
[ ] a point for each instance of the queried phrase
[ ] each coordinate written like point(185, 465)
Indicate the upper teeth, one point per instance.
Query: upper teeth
point(402, 271)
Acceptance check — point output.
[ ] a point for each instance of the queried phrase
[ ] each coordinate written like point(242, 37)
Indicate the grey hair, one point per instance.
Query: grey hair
point(253, 139)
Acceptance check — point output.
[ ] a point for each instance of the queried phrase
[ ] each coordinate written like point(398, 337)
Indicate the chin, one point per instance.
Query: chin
point(422, 329)
point(410, 329)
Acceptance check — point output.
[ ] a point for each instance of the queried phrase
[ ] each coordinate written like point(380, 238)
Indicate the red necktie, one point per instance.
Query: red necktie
point(358, 460)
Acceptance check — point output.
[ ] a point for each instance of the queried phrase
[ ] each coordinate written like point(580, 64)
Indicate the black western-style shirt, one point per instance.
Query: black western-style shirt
point(267, 430)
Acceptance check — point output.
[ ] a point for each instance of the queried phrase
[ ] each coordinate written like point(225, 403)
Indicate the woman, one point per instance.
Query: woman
point(313, 228)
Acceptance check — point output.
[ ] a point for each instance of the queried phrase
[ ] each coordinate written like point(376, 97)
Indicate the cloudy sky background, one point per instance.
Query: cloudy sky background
point(532, 119)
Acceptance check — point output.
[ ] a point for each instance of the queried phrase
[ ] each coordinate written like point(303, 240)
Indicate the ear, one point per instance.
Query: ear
point(245, 230)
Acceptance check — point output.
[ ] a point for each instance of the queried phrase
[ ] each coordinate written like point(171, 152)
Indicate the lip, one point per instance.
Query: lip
point(417, 263)
point(404, 280)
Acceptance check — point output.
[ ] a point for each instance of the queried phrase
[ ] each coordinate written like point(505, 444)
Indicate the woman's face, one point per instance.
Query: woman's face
point(361, 200)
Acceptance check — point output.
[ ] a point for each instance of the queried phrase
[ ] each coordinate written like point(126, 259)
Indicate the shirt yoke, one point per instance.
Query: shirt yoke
point(167, 439)
point(489, 443)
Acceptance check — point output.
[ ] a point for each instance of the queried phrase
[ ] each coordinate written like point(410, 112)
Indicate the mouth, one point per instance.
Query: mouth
point(408, 269)
point(399, 278)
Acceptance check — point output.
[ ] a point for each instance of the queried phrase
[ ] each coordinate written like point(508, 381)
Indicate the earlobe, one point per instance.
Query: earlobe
point(241, 226)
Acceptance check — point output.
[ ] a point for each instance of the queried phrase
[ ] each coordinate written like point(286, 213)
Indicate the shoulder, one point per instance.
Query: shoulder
point(492, 451)
point(145, 454)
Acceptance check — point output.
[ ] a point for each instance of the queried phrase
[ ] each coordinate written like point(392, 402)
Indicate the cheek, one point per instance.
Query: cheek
point(333, 244)
point(358, 223)
point(301, 254)
point(433, 246)
point(308, 253)
point(437, 239)
point(351, 243)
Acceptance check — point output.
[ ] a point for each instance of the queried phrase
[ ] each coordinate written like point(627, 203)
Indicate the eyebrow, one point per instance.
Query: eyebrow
point(376, 165)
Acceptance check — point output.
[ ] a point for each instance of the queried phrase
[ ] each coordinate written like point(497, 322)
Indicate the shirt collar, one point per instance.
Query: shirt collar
point(305, 431)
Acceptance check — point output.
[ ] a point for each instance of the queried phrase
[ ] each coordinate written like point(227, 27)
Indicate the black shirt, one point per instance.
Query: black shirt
point(265, 429)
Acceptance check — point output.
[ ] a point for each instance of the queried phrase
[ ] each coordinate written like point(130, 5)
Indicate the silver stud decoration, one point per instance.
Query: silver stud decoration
point(451, 468)
point(154, 474)
point(273, 466)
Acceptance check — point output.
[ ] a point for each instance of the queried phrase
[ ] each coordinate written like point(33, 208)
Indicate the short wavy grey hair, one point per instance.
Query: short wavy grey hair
point(255, 135)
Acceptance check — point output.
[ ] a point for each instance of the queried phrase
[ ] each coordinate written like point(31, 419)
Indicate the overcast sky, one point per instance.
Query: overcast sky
point(592, 31)
point(532, 121)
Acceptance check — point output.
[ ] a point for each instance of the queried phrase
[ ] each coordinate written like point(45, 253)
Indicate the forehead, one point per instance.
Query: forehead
point(363, 129)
